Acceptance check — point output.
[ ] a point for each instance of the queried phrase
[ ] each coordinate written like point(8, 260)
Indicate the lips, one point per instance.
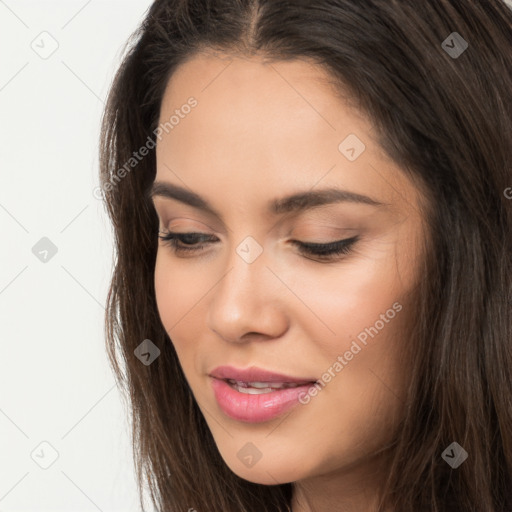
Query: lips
point(252, 405)
point(258, 376)
point(255, 395)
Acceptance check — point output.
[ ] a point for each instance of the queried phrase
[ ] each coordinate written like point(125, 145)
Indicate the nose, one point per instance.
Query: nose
point(248, 303)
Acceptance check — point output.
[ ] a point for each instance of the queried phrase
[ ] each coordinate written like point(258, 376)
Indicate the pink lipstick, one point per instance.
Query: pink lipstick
point(254, 395)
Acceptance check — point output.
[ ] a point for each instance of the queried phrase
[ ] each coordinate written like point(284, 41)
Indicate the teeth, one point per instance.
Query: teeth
point(253, 391)
point(256, 388)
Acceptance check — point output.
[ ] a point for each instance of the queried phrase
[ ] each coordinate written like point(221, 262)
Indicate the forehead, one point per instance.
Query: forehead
point(222, 74)
point(254, 121)
point(259, 105)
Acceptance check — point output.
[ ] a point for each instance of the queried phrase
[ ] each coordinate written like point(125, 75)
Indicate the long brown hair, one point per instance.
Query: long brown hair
point(446, 119)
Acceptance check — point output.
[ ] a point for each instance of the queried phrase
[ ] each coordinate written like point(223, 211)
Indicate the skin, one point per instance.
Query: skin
point(262, 131)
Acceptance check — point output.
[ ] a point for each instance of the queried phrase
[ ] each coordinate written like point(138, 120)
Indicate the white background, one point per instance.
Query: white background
point(55, 382)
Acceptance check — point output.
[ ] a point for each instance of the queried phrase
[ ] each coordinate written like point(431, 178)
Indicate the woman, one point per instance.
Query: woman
point(311, 302)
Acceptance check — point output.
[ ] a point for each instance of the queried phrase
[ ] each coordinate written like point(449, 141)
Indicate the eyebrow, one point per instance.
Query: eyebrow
point(295, 203)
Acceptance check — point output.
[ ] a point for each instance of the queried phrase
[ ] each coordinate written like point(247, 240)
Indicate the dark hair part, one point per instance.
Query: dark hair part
point(448, 123)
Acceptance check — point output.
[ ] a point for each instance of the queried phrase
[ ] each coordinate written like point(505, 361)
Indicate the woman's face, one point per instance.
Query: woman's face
point(244, 135)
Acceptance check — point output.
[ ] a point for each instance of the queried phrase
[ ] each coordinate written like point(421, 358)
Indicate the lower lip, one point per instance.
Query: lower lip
point(256, 408)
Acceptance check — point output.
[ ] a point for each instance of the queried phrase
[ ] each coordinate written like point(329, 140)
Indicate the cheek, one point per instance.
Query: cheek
point(351, 296)
point(178, 296)
point(363, 310)
point(178, 289)
point(167, 288)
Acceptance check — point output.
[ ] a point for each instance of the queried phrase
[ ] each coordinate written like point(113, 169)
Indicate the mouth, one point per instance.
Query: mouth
point(256, 401)
point(255, 395)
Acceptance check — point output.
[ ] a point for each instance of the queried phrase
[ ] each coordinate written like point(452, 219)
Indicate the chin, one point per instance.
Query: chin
point(264, 475)
point(270, 471)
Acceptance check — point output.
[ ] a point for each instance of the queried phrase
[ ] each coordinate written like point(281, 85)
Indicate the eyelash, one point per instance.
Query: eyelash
point(326, 251)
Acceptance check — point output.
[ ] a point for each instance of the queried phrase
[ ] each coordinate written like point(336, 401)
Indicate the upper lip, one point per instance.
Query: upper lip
point(255, 374)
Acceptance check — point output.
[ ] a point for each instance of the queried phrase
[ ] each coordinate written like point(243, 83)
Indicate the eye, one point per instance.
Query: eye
point(184, 242)
point(329, 250)
point(193, 242)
